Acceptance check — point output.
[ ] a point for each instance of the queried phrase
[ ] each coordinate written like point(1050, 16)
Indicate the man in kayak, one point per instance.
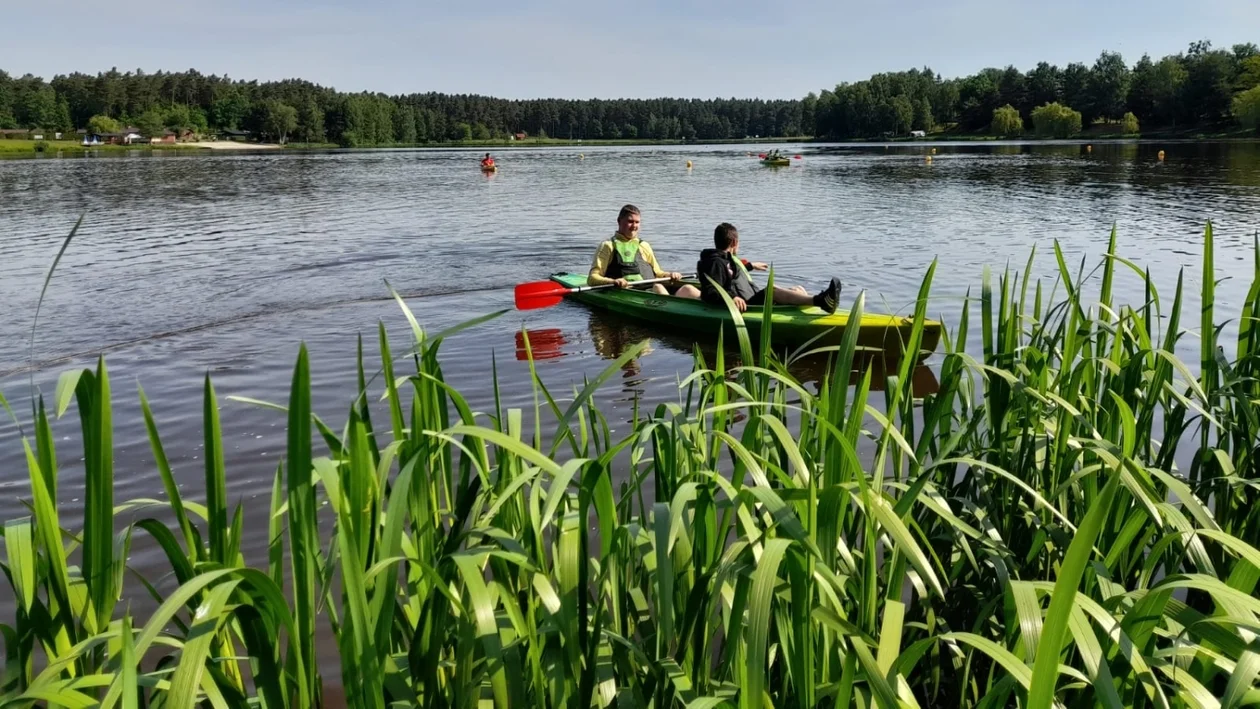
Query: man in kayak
point(730, 272)
point(625, 258)
point(487, 161)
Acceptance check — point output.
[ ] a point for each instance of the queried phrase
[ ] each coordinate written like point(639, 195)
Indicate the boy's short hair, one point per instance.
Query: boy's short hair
point(725, 235)
point(627, 211)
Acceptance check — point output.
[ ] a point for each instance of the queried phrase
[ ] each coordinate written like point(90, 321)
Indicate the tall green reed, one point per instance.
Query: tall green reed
point(1024, 535)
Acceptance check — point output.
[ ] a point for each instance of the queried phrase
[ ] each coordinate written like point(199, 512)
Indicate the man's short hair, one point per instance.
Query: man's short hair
point(725, 236)
point(627, 211)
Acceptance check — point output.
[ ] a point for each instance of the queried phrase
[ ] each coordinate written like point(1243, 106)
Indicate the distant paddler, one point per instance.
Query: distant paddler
point(487, 163)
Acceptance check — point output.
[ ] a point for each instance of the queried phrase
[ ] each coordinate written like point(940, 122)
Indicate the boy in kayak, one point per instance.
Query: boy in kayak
point(487, 161)
point(730, 272)
point(625, 258)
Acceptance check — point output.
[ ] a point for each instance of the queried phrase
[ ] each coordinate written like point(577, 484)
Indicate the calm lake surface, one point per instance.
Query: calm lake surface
point(224, 263)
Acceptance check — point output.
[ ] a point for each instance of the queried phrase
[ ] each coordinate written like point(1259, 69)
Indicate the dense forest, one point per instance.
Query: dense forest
point(1200, 87)
point(303, 111)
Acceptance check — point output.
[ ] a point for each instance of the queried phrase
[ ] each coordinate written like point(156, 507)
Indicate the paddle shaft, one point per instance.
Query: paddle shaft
point(633, 284)
point(544, 294)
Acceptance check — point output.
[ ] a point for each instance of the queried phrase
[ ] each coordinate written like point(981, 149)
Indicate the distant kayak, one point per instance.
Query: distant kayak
point(791, 324)
point(489, 168)
point(776, 162)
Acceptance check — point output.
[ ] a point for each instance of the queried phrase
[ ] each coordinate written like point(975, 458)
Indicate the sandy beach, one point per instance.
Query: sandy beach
point(229, 145)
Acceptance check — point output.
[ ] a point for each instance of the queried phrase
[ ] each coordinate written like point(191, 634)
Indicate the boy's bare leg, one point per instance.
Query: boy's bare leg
point(792, 296)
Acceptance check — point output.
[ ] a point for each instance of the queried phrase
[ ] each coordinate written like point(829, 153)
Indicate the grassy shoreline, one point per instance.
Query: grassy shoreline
point(52, 147)
point(1069, 518)
point(26, 148)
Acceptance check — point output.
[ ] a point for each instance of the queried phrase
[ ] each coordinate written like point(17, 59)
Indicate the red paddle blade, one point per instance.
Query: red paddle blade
point(539, 294)
point(537, 301)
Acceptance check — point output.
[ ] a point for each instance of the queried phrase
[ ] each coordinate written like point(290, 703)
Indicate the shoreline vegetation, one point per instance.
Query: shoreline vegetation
point(1201, 91)
point(29, 148)
point(1069, 518)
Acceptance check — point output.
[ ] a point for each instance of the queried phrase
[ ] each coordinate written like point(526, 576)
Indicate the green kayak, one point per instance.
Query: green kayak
point(779, 162)
point(790, 324)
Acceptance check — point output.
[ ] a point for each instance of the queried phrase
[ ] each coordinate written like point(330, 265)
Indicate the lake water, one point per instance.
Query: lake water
point(224, 263)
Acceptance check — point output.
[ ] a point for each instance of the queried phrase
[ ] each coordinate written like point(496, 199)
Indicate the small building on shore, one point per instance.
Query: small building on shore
point(127, 136)
point(17, 133)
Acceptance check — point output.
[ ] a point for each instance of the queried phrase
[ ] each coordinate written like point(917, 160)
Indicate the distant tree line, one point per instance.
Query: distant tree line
point(1202, 86)
point(1199, 87)
point(306, 112)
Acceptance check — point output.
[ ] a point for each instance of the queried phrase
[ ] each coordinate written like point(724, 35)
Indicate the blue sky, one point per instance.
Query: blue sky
point(571, 49)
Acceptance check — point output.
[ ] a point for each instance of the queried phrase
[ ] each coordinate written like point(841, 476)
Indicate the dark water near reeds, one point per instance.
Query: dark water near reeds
point(222, 263)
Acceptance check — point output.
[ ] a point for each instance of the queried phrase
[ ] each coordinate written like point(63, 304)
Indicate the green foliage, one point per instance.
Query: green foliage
point(1129, 123)
point(1007, 121)
point(7, 119)
point(103, 124)
point(1056, 121)
point(62, 121)
point(1248, 74)
point(178, 117)
point(902, 114)
point(279, 120)
point(229, 109)
point(1208, 89)
point(1246, 108)
point(1155, 89)
point(923, 115)
point(1025, 534)
point(38, 107)
point(1184, 89)
point(1108, 86)
point(310, 122)
point(372, 118)
point(405, 125)
point(151, 123)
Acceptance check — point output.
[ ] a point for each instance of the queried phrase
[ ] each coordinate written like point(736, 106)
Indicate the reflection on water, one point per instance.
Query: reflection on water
point(611, 335)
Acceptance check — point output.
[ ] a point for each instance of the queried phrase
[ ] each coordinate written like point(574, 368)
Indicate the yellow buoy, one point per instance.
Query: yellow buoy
point(1089, 148)
point(933, 151)
point(688, 164)
point(1161, 155)
point(581, 156)
point(929, 159)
